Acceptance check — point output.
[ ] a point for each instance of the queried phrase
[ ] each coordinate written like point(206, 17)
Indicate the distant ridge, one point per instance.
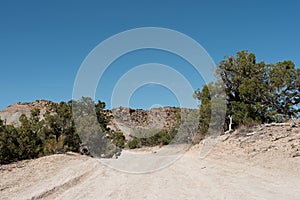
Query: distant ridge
point(120, 118)
point(12, 113)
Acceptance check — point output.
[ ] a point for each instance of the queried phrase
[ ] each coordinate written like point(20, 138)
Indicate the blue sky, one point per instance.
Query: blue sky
point(43, 43)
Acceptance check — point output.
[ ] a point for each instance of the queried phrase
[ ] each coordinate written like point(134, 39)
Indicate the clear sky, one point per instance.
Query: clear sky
point(43, 43)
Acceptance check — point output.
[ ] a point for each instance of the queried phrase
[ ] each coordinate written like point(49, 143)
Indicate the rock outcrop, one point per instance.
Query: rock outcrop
point(121, 119)
point(158, 118)
point(12, 113)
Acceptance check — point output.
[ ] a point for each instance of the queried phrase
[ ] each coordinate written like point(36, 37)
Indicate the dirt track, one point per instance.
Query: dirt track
point(226, 173)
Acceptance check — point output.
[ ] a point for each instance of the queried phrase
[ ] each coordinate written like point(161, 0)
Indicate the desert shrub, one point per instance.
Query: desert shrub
point(132, 144)
point(9, 144)
point(56, 132)
point(51, 146)
point(119, 139)
point(162, 137)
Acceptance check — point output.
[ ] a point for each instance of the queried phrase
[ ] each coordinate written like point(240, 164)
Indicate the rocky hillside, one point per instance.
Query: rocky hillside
point(280, 138)
point(127, 119)
point(121, 119)
point(12, 113)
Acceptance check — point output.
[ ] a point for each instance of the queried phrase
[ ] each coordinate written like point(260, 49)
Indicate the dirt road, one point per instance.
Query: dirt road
point(226, 173)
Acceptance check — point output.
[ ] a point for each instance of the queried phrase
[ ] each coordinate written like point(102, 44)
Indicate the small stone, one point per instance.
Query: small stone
point(296, 155)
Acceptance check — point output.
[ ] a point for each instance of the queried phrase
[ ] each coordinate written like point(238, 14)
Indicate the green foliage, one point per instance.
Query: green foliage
point(9, 151)
point(91, 124)
point(256, 92)
point(23, 142)
point(119, 139)
point(56, 133)
point(103, 120)
point(61, 127)
point(160, 138)
point(30, 143)
point(260, 92)
point(52, 146)
point(151, 138)
point(135, 143)
point(212, 106)
point(205, 109)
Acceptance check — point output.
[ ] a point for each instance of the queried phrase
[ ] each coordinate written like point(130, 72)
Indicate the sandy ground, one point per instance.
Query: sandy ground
point(230, 171)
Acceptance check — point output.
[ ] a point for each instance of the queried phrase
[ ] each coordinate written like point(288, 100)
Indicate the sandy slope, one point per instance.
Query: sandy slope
point(228, 172)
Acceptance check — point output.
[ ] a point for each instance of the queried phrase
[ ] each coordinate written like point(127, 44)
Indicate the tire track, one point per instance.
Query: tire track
point(55, 191)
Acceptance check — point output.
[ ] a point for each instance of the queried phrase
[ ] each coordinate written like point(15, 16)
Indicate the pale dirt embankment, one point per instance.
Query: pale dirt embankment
point(261, 163)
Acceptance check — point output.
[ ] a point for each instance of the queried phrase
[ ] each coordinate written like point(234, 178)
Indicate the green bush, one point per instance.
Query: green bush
point(9, 151)
point(132, 144)
point(56, 133)
point(119, 139)
point(163, 137)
